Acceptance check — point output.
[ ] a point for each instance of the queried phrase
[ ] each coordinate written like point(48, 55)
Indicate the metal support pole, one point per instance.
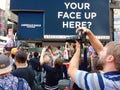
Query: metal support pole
point(111, 24)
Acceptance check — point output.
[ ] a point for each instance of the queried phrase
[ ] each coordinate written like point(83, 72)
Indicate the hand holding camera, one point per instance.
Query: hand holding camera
point(84, 30)
point(81, 34)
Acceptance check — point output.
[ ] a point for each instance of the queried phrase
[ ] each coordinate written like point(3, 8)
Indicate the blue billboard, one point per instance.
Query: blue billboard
point(62, 17)
point(30, 25)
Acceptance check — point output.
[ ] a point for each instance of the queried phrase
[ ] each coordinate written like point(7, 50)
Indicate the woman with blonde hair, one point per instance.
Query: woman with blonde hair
point(53, 74)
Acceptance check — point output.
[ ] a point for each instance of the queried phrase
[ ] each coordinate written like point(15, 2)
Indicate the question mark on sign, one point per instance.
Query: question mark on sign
point(89, 24)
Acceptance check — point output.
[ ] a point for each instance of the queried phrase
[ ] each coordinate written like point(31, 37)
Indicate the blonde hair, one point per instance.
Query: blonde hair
point(113, 48)
point(47, 59)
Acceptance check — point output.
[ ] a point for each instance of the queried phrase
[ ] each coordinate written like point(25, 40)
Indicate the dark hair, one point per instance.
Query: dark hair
point(58, 63)
point(35, 54)
point(21, 57)
point(49, 48)
point(89, 43)
point(58, 47)
point(12, 55)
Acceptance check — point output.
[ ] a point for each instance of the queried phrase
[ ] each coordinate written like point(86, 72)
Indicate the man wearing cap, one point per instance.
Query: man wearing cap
point(8, 81)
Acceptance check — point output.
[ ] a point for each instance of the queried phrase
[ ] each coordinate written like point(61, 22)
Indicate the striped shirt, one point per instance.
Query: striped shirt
point(98, 81)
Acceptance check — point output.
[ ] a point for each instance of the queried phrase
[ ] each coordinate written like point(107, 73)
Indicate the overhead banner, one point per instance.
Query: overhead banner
point(62, 17)
point(30, 25)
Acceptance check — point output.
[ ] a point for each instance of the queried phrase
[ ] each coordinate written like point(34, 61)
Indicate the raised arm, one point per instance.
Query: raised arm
point(74, 63)
point(42, 54)
point(97, 45)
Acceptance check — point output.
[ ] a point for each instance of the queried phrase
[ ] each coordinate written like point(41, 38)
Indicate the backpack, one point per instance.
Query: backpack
point(20, 85)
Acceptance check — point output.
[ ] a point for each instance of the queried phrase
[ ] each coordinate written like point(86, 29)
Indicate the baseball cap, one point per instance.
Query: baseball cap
point(14, 51)
point(5, 65)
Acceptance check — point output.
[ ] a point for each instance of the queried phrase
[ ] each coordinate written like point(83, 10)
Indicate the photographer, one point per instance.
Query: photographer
point(108, 77)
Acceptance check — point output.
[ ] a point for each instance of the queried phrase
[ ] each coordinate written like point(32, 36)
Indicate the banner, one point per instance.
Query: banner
point(62, 17)
point(30, 25)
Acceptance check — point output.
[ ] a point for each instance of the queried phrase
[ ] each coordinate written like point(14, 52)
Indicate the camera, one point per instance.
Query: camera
point(80, 37)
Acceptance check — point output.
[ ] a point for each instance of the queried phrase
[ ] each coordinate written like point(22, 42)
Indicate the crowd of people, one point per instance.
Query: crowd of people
point(95, 67)
point(40, 71)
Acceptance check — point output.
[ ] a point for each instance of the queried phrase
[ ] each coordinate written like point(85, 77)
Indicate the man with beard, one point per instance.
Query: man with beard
point(109, 58)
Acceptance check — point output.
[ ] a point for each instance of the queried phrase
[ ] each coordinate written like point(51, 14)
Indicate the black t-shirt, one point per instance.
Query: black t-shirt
point(25, 73)
point(52, 75)
point(35, 64)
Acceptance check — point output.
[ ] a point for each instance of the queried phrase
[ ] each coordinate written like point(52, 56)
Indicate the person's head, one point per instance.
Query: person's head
point(21, 49)
point(5, 66)
point(89, 44)
point(7, 53)
point(47, 58)
point(49, 48)
point(35, 54)
point(67, 45)
point(58, 63)
point(58, 47)
point(110, 55)
point(31, 53)
point(21, 57)
point(13, 52)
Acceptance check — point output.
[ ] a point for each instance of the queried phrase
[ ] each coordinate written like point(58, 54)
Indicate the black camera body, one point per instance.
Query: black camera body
point(80, 37)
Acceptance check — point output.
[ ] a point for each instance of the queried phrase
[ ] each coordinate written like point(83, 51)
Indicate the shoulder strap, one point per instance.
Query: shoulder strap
point(20, 84)
point(100, 80)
